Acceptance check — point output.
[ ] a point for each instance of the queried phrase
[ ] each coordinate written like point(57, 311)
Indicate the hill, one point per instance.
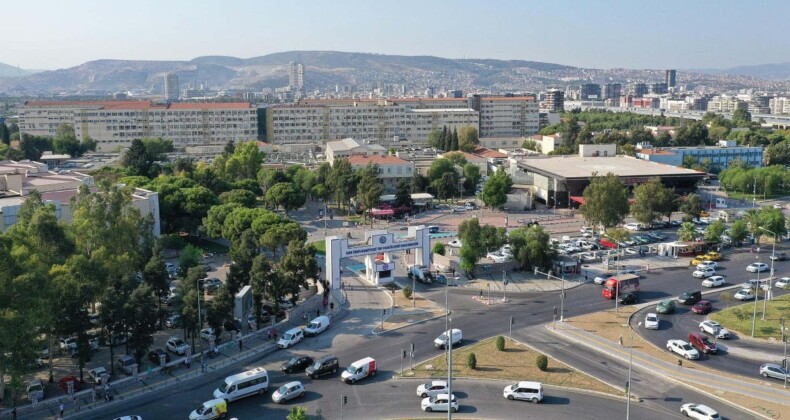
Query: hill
point(7, 70)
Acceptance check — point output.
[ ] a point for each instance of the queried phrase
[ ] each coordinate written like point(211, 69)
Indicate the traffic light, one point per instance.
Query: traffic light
point(412, 347)
point(403, 354)
point(345, 400)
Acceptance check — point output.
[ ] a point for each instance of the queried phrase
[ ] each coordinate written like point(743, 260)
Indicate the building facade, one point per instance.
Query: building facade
point(590, 91)
point(720, 156)
point(349, 147)
point(172, 89)
point(391, 169)
point(670, 78)
point(726, 104)
point(659, 88)
point(115, 124)
point(779, 105)
point(553, 101)
point(638, 90)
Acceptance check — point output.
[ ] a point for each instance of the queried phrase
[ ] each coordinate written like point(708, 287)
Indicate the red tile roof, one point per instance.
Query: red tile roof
point(378, 160)
point(139, 105)
point(488, 153)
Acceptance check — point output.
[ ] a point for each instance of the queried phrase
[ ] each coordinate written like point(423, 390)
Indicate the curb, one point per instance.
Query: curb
point(374, 332)
point(717, 397)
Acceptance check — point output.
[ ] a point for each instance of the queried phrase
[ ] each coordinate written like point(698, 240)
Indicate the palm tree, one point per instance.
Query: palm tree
point(687, 232)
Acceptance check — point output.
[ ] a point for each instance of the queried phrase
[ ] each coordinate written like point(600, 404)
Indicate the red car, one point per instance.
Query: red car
point(702, 307)
point(63, 383)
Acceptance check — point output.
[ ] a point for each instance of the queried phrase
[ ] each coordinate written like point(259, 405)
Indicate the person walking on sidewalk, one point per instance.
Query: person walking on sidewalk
point(620, 340)
point(61, 408)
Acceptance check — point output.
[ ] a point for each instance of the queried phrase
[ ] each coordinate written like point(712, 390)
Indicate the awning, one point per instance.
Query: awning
point(577, 199)
point(382, 212)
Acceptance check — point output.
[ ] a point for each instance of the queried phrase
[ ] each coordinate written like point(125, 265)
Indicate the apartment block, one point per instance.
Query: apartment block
point(726, 104)
point(115, 124)
point(553, 101)
point(779, 105)
point(391, 169)
point(590, 91)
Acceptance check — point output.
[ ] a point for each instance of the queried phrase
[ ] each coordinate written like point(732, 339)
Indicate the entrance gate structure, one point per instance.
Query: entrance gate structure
point(382, 270)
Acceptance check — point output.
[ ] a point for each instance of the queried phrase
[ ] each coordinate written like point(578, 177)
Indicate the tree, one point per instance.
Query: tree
point(262, 277)
point(190, 257)
point(738, 232)
point(653, 200)
point(691, 134)
point(5, 133)
point(605, 201)
point(471, 361)
point(403, 194)
point(500, 343)
point(447, 186)
point(242, 253)
point(435, 139)
point(242, 197)
point(741, 117)
point(439, 167)
point(369, 189)
point(778, 153)
point(155, 275)
point(542, 362)
point(714, 231)
point(342, 181)
point(687, 232)
point(770, 220)
point(244, 163)
point(532, 247)
point(142, 313)
point(33, 147)
point(692, 206)
point(454, 141)
point(439, 248)
point(407, 292)
point(468, 139)
point(419, 183)
point(456, 158)
point(446, 139)
point(297, 266)
point(285, 195)
point(472, 248)
point(297, 413)
point(689, 161)
point(663, 139)
point(219, 309)
point(472, 176)
point(136, 159)
point(496, 189)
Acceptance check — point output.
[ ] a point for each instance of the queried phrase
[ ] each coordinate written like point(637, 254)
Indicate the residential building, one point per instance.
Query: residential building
point(670, 78)
point(391, 169)
point(19, 179)
point(172, 89)
point(548, 143)
point(350, 147)
point(553, 101)
point(659, 88)
point(480, 162)
point(779, 105)
point(507, 143)
point(296, 75)
point(644, 102)
point(638, 90)
point(114, 124)
point(612, 91)
point(726, 104)
point(590, 91)
point(508, 116)
point(720, 155)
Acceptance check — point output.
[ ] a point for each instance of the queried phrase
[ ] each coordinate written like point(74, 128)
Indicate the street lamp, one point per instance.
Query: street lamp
point(200, 323)
point(450, 369)
point(756, 296)
point(770, 278)
point(628, 384)
point(784, 358)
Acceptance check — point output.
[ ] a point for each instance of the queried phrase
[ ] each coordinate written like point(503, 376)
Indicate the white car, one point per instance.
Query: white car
point(699, 412)
point(98, 374)
point(754, 283)
point(499, 257)
point(651, 321)
point(455, 243)
point(287, 392)
point(526, 391)
point(432, 388)
point(778, 206)
point(713, 281)
point(208, 334)
point(601, 278)
point(439, 402)
point(682, 348)
point(128, 418)
point(707, 264)
point(744, 294)
point(177, 345)
point(757, 267)
point(783, 283)
point(710, 327)
point(632, 226)
point(703, 273)
point(588, 256)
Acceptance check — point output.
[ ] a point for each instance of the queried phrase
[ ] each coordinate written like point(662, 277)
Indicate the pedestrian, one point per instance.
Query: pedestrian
point(620, 340)
point(585, 276)
point(93, 394)
point(332, 307)
point(241, 344)
point(13, 414)
point(61, 408)
point(107, 390)
point(188, 362)
point(481, 293)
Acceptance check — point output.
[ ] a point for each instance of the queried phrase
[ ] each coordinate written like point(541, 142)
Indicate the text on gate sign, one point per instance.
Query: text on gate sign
point(366, 250)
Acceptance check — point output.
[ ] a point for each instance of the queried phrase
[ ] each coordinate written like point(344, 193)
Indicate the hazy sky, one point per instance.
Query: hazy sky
point(50, 34)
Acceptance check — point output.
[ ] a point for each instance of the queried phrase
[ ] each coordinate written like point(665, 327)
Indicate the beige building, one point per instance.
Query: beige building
point(114, 124)
point(779, 105)
point(726, 104)
point(18, 179)
point(507, 143)
point(548, 143)
point(349, 147)
point(391, 169)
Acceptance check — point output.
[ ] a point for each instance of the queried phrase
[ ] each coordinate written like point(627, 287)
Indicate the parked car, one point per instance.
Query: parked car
point(702, 273)
point(155, 354)
point(432, 388)
point(699, 412)
point(208, 334)
point(707, 264)
point(713, 281)
point(713, 256)
point(783, 283)
point(459, 209)
point(757, 267)
point(177, 346)
point(455, 243)
point(702, 307)
point(173, 321)
point(63, 383)
point(126, 364)
point(297, 364)
point(651, 321)
point(99, 374)
point(753, 284)
point(632, 227)
point(288, 392)
point(714, 328)
point(682, 348)
point(773, 370)
point(744, 294)
point(666, 306)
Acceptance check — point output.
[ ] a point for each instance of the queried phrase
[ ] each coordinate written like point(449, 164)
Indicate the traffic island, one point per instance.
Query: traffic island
point(517, 362)
point(406, 311)
point(738, 318)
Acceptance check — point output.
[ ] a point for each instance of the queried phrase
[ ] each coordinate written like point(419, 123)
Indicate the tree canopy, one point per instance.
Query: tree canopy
point(605, 201)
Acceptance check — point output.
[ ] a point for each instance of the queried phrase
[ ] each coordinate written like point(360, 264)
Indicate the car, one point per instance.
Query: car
point(682, 348)
point(433, 229)
point(588, 257)
point(173, 321)
point(714, 328)
point(783, 283)
point(744, 294)
point(459, 209)
point(779, 256)
point(432, 388)
point(757, 267)
point(699, 412)
point(666, 306)
point(628, 298)
point(441, 402)
point(712, 256)
point(698, 260)
point(155, 354)
point(778, 206)
point(288, 391)
point(753, 284)
point(703, 273)
point(773, 370)
point(690, 297)
point(128, 418)
point(177, 346)
point(99, 374)
point(63, 383)
point(632, 227)
point(631, 251)
point(676, 222)
point(713, 281)
point(499, 257)
point(651, 321)
point(527, 391)
point(702, 343)
point(455, 243)
point(297, 364)
point(208, 334)
point(601, 278)
point(702, 307)
point(68, 344)
point(707, 264)
point(212, 284)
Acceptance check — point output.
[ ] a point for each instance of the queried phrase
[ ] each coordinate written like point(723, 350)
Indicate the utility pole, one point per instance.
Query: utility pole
point(504, 287)
point(562, 296)
point(768, 282)
point(450, 370)
point(756, 296)
point(784, 358)
point(510, 336)
point(628, 383)
point(489, 293)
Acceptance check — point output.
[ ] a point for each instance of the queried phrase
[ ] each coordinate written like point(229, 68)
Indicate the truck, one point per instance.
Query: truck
point(420, 273)
point(359, 370)
point(624, 282)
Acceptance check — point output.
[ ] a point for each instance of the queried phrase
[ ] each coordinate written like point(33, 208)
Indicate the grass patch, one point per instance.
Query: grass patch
point(759, 197)
point(207, 246)
point(516, 363)
point(320, 247)
point(739, 318)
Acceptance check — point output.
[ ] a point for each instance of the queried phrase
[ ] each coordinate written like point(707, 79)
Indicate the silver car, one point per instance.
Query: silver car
point(774, 371)
point(288, 391)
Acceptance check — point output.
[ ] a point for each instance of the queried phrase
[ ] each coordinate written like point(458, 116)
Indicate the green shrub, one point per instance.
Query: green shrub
point(542, 362)
point(407, 292)
point(500, 343)
point(471, 361)
point(438, 248)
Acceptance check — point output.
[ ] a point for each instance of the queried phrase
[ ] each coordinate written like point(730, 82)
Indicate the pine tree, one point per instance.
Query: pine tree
point(455, 140)
point(445, 139)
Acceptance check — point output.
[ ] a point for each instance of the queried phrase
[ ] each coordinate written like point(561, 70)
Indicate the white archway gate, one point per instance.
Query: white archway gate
point(377, 242)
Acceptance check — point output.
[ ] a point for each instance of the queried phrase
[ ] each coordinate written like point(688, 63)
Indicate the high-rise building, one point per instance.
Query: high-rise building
point(553, 101)
point(638, 90)
point(670, 78)
point(590, 92)
point(659, 88)
point(612, 91)
point(296, 75)
point(172, 89)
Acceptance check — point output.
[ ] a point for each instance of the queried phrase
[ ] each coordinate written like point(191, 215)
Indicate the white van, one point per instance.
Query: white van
point(317, 326)
point(291, 337)
point(456, 336)
point(359, 370)
point(527, 391)
point(243, 385)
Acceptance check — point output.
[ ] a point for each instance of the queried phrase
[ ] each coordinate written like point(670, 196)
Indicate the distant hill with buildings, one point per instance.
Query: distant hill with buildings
point(7, 70)
point(327, 71)
point(775, 71)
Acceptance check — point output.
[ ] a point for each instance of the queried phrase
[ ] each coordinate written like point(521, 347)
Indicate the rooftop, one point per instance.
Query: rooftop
point(488, 153)
point(468, 156)
point(572, 166)
point(137, 105)
point(378, 160)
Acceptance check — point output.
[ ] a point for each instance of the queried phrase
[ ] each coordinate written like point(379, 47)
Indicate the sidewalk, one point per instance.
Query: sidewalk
point(684, 375)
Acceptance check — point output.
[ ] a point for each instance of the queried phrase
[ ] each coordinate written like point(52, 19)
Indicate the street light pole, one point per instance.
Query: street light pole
point(562, 296)
point(784, 358)
point(450, 371)
point(768, 283)
point(628, 384)
point(756, 296)
point(200, 324)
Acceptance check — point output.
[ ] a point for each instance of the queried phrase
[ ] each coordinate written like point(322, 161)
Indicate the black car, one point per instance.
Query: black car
point(323, 366)
point(690, 297)
point(154, 354)
point(297, 364)
point(627, 298)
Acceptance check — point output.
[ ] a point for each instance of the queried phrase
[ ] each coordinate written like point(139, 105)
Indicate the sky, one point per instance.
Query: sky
point(683, 34)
